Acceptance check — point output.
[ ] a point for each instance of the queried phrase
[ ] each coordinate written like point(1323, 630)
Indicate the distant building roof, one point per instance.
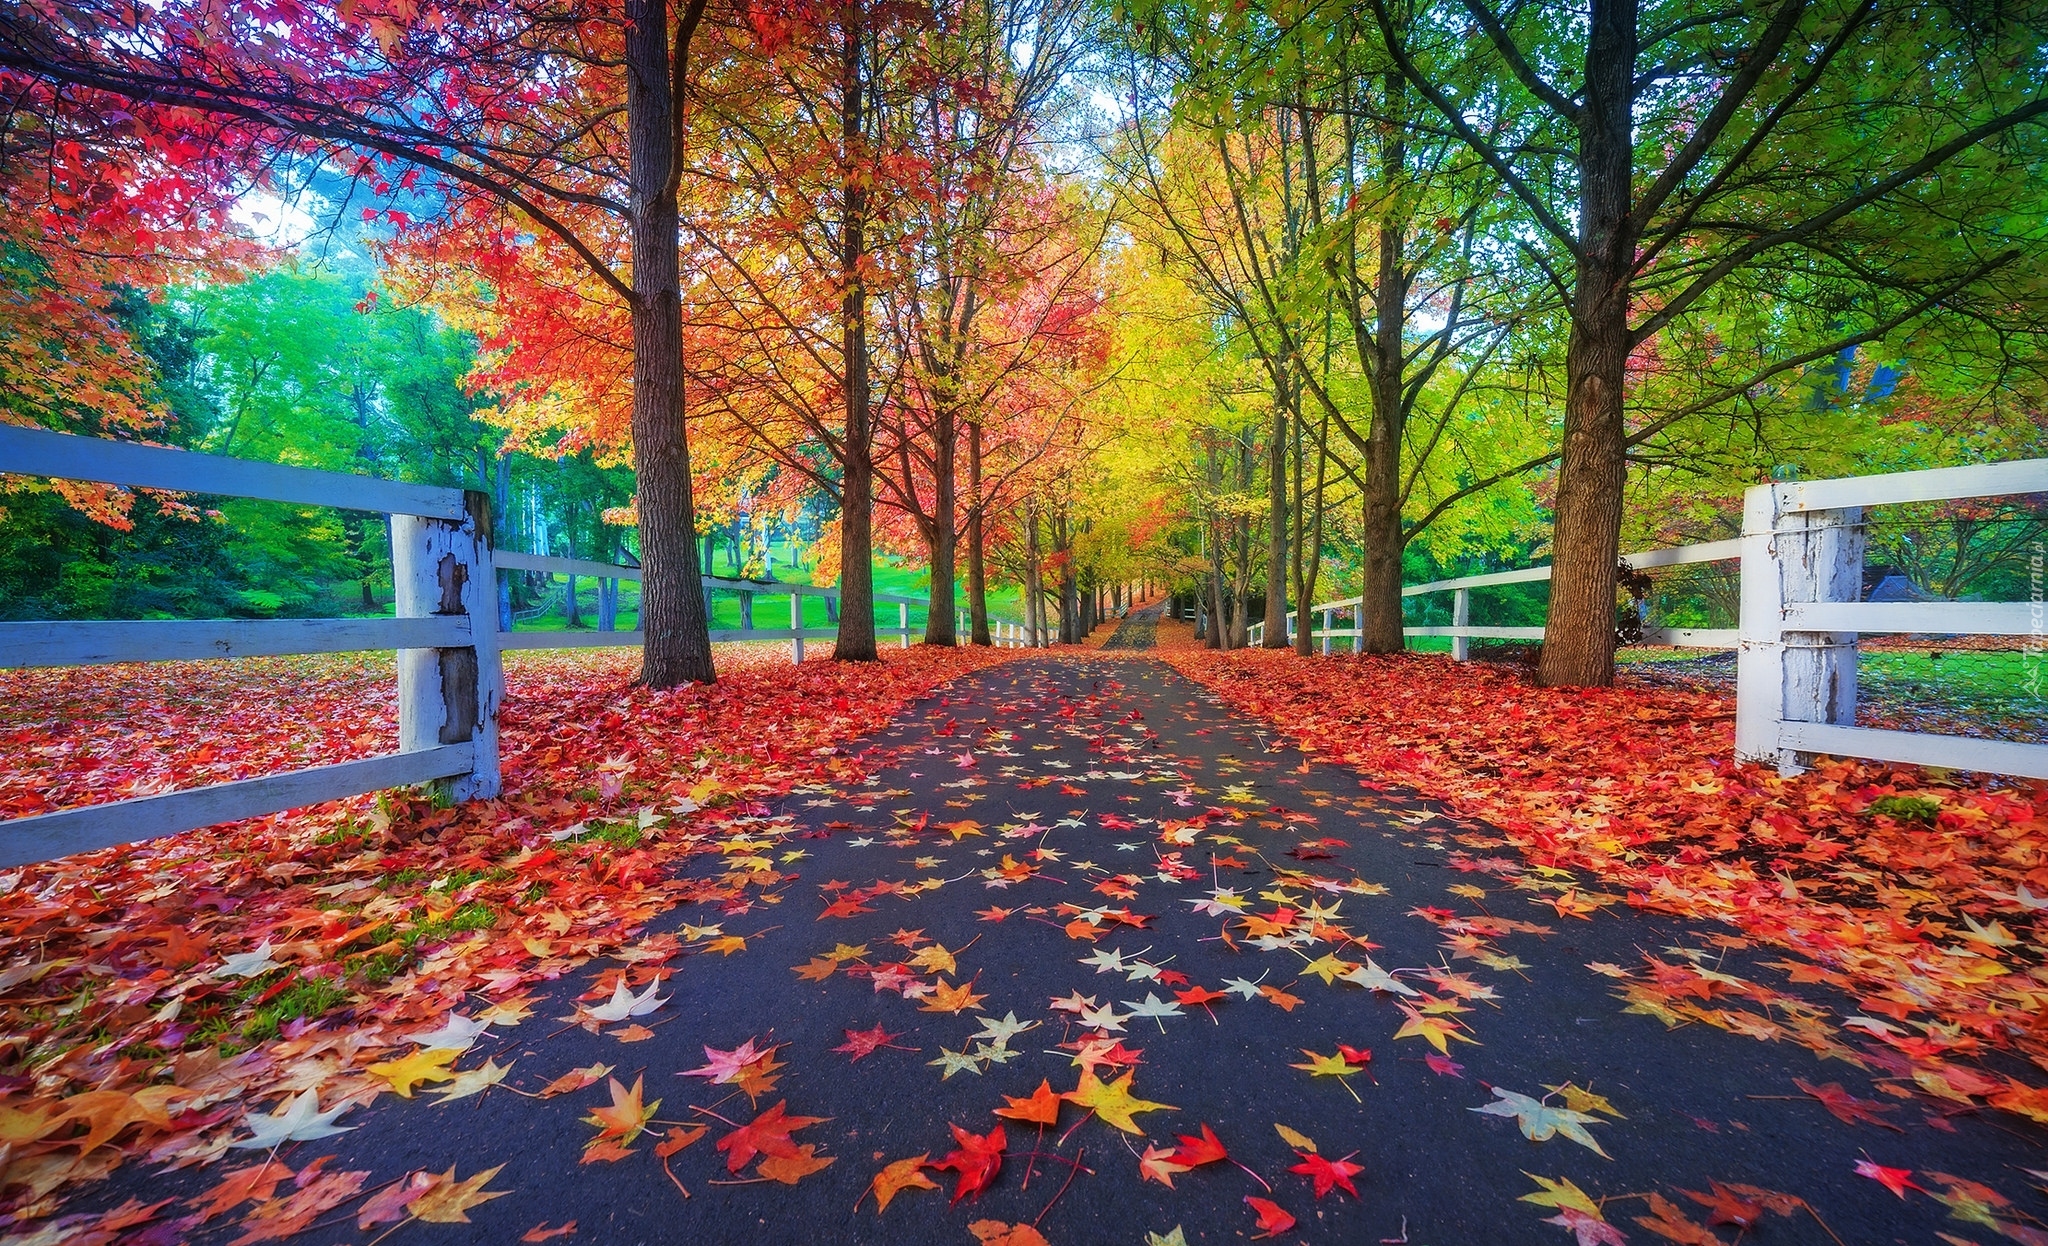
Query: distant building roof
point(1899, 588)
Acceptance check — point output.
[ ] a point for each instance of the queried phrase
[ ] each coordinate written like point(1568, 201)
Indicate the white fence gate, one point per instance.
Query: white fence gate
point(1802, 574)
point(446, 636)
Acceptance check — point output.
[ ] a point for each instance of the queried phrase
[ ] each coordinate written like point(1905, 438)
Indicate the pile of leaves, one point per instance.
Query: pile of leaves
point(153, 994)
point(1918, 894)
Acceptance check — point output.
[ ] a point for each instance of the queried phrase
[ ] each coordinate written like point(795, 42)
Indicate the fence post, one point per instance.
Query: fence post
point(796, 624)
point(1329, 621)
point(1793, 557)
point(1461, 616)
point(449, 696)
point(746, 610)
point(903, 622)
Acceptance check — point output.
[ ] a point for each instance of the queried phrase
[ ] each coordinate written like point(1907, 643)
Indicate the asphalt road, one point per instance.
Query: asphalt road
point(1108, 798)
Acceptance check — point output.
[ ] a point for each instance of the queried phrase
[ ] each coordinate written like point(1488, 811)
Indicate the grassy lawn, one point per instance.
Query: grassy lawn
point(893, 577)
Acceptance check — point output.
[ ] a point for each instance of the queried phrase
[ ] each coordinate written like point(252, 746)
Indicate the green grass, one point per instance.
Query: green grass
point(892, 577)
point(1977, 676)
point(385, 965)
point(1907, 808)
point(309, 998)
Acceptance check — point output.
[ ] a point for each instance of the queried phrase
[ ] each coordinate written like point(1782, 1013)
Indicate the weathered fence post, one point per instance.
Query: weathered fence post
point(1793, 557)
point(1461, 616)
point(746, 610)
point(796, 624)
point(903, 621)
point(1329, 621)
point(450, 696)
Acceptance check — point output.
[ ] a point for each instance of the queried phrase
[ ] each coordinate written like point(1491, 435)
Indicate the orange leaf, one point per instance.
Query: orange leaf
point(1041, 1106)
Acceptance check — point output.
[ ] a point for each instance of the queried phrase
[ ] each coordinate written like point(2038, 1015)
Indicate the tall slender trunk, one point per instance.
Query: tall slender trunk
point(1383, 537)
point(677, 648)
point(945, 533)
point(1219, 633)
point(977, 558)
point(1034, 580)
point(856, 642)
point(1276, 528)
point(1578, 643)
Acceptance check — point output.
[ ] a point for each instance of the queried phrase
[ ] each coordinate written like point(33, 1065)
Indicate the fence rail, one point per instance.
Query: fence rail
point(1801, 552)
point(446, 635)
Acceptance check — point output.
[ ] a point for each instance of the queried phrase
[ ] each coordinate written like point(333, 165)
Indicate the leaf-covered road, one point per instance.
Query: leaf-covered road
point(1080, 872)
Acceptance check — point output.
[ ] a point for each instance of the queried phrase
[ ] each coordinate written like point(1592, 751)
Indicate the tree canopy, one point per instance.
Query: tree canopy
point(1255, 304)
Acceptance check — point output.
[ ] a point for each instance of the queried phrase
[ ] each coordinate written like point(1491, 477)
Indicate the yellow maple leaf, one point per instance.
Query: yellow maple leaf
point(1295, 1138)
point(1435, 1029)
point(420, 1066)
point(448, 1201)
point(1112, 1101)
point(935, 959)
point(1579, 1100)
point(1328, 968)
point(1563, 1195)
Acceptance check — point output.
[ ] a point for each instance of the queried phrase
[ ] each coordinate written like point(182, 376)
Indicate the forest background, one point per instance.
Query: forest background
point(1255, 304)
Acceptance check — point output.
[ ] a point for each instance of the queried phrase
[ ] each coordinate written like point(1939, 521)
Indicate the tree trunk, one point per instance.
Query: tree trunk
point(677, 649)
point(1276, 531)
point(977, 558)
point(943, 605)
point(1578, 642)
point(856, 642)
point(1383, 537)
point(1034, 579)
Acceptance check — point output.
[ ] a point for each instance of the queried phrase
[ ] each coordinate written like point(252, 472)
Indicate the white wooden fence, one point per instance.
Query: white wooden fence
point(446, 636)
point(1802, 559)
point(1462, 631)
point(1802, 574)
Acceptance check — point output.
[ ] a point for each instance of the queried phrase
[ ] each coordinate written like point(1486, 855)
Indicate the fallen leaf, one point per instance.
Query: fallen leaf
point(1041, 1106)
point(621, 1121)
point(1112, 1101)
point(1273, 1218)
point(997, 1233)
point(575, 1079)
point(1328, 1174)
point(449, 1200)
point(425, 1065)
point(977, 1159)
point(1540, 1122)
point(904, 1174)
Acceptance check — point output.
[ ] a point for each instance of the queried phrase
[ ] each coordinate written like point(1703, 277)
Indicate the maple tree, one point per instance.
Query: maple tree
point(348, 86)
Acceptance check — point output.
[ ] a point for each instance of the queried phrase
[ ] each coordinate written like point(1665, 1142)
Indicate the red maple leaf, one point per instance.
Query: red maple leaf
point(861, 1043)
point(1328, 1174)
point(1726, 1206)
point(1846, 1107)
point(977, 1159)
point(1273, 1218)
point(1206, 1149)
point(766, 1134)
point(1897, 1180)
